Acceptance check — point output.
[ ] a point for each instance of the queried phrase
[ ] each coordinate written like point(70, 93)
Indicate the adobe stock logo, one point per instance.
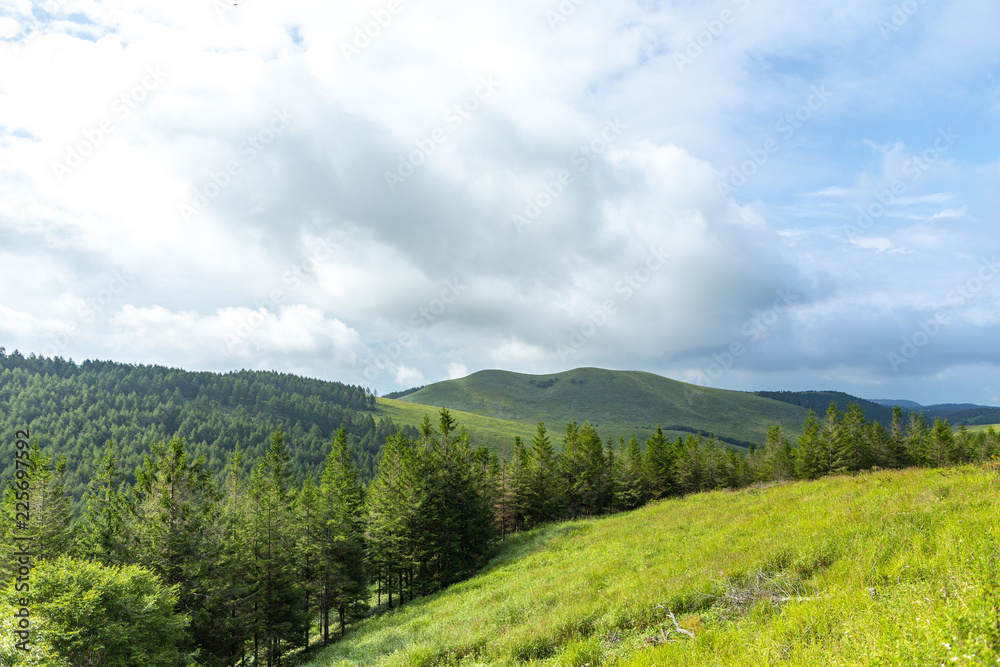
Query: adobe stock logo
point(419, 320)
point(121, 108)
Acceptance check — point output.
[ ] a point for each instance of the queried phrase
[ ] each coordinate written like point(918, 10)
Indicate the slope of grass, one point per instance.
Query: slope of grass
point(885, 568)
point(619, 403)
point(497, 434)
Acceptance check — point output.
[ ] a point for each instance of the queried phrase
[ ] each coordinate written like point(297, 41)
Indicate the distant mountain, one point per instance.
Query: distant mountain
point(890, 402)
point(880, 410)
point(618, 403)
point(819, 402)
point(956, 407)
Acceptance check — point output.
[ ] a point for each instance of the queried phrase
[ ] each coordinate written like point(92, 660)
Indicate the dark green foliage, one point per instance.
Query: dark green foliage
point(630, 488)
point(84, 613)
point(280, 619)
point(544, 495)
point(76, 409)
point(172, 529)
point(658, 466)
point(343, 577)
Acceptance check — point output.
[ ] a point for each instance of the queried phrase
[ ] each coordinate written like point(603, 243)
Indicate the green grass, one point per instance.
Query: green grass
point(493, 432)
point(888, 568)
point(983, 428)
point(618, 403)
point(497, 434)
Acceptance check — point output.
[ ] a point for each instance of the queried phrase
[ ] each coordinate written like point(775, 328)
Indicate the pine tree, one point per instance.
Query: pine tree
point(39, 493)
point(942, 445)
point(102, 529)
point(51, 512)
point(392, 498)
point(898, 454)
point(918, 441)
point(279, 616)
point(808, 457)
point(585, 469)
point(545, 495)
point(344, 577)
point(851, 447)
point(658, 466)
point(631, 483)
point(173, 516)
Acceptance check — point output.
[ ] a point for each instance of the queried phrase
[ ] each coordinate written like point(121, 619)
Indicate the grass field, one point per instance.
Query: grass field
point(983, 427)
point(888, 568)
point(617, 403)
point(497, 434)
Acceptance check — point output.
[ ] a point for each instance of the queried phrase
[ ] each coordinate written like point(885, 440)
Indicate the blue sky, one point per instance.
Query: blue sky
point(391, 193)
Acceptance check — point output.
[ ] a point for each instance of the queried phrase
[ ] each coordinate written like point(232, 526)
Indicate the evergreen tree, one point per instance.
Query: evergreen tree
point(898, 454)
point(631, 483)
point(102, 534)
point(172, 525)
point(544, 495)
point(391, 501)
point(808, 457)
point(658, 466)
point(585, 470)
point(942, 445)
point(918, 441)
point(279, 614)
point(344, 577)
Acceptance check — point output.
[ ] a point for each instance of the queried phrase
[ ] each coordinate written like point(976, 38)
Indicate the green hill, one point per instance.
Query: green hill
point(899, 568)
point(618, 403)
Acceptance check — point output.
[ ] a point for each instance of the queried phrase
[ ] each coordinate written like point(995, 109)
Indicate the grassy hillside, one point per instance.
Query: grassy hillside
point(497, 434)
point(884, 568)
point(616, 402)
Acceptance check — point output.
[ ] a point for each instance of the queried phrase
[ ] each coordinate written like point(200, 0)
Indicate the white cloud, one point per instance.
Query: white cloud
point(305, 235)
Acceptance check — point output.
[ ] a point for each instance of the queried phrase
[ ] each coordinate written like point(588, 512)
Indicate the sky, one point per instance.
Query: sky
point(744, 194)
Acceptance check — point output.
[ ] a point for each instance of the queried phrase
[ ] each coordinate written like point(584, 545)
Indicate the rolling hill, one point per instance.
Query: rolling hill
point(889, 568)
point(617, 403)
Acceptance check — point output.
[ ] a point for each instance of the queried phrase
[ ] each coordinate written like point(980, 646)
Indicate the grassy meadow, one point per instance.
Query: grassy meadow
point(885, 568)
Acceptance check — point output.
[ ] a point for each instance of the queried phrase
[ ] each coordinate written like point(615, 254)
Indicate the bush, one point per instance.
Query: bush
point(83, 613)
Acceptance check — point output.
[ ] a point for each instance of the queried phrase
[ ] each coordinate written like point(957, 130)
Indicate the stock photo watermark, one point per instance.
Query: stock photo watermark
point(88, 312)
point(752, 330)
point(293, 278)
point(580, 160)
point(925, 332)
point(454, 117)
point(121, 108)
point(786, 126)
point(712, 30)
point(562, 12)
point(365, 34)
point(915, 167)
point(248, 151)
point(420, 320)
point(899, 17)
point(629, 285)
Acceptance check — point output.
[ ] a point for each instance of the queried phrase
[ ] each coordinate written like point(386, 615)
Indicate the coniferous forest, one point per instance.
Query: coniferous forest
point(159, 552)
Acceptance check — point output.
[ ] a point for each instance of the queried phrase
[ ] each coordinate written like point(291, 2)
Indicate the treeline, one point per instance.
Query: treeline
point(77, 408)
point(589, 477)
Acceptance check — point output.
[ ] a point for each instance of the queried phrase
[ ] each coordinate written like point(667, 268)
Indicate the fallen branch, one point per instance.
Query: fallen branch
point(677, 625)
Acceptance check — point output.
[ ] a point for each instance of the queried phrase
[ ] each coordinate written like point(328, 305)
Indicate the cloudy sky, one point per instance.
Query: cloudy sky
point(748, 194)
